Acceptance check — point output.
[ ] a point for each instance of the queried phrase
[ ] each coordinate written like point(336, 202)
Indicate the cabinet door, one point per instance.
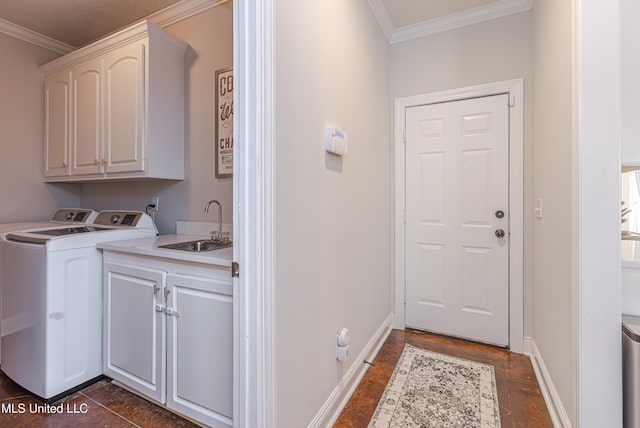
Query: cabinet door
point(200, 349)
point(86, 142)
point(124, 109)
point(56, 125)
point(134, 328)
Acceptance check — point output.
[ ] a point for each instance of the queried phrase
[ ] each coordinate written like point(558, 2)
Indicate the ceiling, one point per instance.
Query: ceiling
point(76, 23)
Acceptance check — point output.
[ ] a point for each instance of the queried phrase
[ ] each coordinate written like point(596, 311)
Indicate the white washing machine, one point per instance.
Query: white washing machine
point(52, 301)
point(60, 218)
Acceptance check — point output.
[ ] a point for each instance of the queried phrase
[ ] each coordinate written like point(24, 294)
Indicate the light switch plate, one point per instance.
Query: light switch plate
point(538, 209)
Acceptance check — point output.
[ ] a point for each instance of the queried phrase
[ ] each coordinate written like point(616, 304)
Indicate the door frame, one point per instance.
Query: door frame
point(253, 198)
point(514, 88)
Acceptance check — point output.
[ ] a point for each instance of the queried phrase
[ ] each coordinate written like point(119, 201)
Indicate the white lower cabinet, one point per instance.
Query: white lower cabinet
point(168, 334)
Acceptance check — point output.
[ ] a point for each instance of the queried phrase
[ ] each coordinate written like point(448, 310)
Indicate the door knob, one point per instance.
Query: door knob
point(499, 213)
point(500, 233)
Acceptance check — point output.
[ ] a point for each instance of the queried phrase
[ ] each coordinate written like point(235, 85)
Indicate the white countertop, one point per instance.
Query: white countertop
point(149, 247)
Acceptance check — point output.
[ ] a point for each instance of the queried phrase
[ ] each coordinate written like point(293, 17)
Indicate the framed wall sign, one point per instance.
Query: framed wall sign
point(224, 123)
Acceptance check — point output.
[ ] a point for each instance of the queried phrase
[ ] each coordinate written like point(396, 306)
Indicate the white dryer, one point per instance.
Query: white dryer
point(52, 301)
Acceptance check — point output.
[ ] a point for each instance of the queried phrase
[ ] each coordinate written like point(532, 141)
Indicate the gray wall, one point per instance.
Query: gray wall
point(332, 215)
point(23, 195)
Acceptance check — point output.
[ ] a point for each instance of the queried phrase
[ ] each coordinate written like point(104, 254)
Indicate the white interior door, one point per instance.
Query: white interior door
point(457, 186)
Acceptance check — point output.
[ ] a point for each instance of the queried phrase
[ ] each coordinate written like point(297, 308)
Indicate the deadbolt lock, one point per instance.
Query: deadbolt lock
point(499, 213)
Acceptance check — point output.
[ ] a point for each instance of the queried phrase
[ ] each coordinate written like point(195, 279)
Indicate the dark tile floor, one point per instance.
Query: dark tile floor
point(99, 405)
point(519, 397)
point(106, 405)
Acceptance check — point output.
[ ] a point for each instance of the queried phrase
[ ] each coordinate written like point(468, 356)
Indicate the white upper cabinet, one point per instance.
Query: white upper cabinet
point(125, 98)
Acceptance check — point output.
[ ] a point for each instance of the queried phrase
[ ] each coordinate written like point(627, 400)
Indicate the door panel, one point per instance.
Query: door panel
point(134, 329)
point(431, 266)
point(124, 122)
point(87, 121)
point(200, 349)
point(475, 279)
point(56, 133)
point(457, 177)
point(431, 188)
point(475, 188)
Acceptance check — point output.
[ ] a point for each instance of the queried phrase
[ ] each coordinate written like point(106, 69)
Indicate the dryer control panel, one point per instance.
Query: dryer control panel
point(129, 219)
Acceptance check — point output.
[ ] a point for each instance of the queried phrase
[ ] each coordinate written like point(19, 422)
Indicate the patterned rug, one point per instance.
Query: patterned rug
point(428, 389)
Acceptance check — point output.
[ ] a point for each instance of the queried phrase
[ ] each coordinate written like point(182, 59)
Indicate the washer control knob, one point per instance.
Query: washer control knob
point(115, 219)
point(69, 216)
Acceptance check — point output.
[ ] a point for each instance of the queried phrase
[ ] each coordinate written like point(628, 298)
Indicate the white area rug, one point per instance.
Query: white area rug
point(428, 389)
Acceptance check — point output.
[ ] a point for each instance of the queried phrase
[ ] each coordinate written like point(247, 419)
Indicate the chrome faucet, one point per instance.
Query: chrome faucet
point(206, 209)
point(624, 212)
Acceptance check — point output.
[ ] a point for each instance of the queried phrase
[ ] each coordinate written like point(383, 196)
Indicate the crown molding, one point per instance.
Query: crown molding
point(163, 18)
point(493, 10)
point(382, 15)
point(455, 20)
point(34, 38)
point(181, 11)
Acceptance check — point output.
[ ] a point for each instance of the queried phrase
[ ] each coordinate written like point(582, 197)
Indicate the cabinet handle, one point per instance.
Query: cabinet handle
point(172, 312)
point(159, 308)
point(97, 162)
point(156, 288)
point(64, 164)
point(104, 162)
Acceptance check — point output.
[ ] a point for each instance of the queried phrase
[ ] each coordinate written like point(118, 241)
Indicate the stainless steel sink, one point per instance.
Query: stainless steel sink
point(197, 246)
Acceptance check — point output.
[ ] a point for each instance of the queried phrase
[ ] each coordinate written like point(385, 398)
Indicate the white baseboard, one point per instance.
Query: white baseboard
point(332, 408)
point(526, 345)
point(557, 411)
